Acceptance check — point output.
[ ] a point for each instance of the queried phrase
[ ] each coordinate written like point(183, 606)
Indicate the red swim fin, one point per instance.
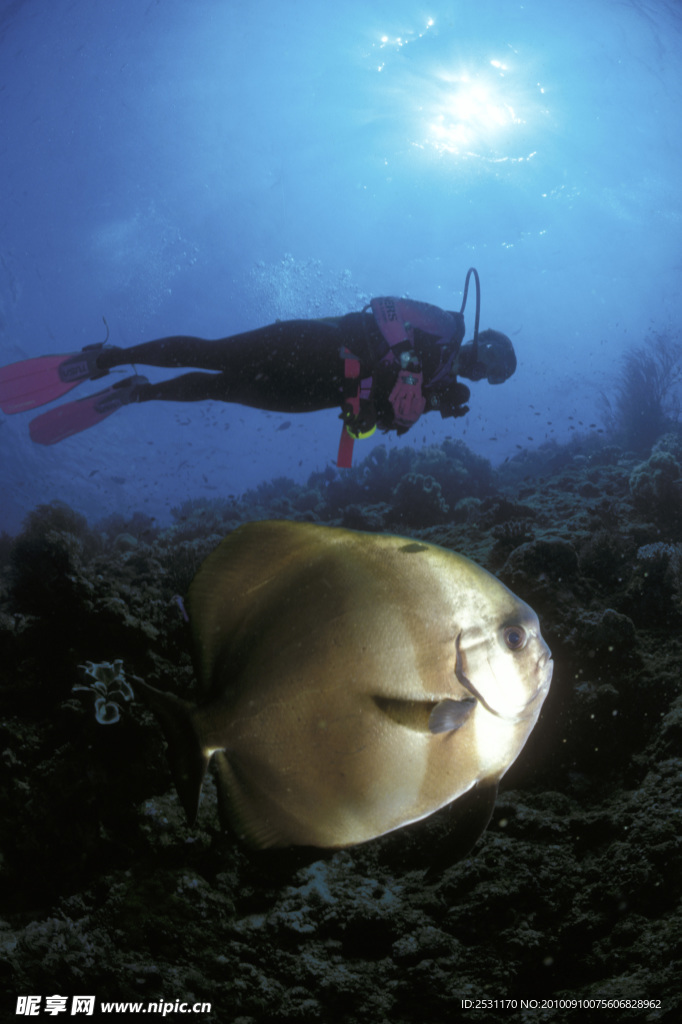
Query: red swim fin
point(34, 382)
point(73, 417)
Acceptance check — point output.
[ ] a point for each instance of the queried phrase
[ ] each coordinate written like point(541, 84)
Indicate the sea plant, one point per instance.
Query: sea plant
point(107, 681)
point(648, 388)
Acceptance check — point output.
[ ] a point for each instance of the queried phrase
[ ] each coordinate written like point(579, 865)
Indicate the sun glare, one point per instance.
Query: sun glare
point(482, 112)
point(470, 112)
point(469, 104)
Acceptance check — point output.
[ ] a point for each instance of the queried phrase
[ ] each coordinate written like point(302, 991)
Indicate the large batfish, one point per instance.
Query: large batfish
point(352, 683)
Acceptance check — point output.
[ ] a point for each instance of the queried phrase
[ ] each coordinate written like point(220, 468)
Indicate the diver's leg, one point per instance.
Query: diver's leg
point(173, 352)
point(189, 387)
point(291, 366)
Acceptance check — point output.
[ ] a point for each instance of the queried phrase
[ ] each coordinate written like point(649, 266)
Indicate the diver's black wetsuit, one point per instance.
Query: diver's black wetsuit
point(289, 366)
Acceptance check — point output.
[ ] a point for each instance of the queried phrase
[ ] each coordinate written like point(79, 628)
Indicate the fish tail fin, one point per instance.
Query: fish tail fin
point(186, 755)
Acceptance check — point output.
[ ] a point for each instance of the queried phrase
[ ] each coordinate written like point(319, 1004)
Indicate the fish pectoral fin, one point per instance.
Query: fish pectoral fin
point(427, 715)
point(187, 759)
point(449, 715)
point(412, 714)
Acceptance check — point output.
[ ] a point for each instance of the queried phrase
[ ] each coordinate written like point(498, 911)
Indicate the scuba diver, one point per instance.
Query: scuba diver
point(384, 367)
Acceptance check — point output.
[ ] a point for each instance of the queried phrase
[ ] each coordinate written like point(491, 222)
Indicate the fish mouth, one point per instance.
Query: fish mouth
point(544, 665)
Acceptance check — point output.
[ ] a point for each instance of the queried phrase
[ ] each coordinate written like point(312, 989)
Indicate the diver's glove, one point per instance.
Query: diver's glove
point(407, 399)
point(452, 401)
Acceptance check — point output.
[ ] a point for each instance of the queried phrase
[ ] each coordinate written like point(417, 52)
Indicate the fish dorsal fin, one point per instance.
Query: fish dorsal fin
point(249, 562)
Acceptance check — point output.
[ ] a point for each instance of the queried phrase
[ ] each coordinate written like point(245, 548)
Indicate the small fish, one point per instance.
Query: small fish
point(285, 425)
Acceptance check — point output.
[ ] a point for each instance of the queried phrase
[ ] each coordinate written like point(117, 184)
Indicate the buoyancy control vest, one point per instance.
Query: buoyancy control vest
point(397, 320)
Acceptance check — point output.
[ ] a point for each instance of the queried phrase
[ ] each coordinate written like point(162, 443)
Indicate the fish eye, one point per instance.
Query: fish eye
point(515, 638)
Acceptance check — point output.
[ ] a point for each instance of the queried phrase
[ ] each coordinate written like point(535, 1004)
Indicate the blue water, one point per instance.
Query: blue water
point(205, 167)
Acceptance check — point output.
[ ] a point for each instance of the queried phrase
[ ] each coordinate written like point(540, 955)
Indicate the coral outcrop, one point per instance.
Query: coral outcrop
point(571, 893)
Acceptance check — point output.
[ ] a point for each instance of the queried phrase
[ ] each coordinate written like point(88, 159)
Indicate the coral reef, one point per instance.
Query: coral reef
point(572, 893)
point(46, 559)
point(455, 473)
point(605, 556)
point(418, 499)
point(654, 591)
point(509, 535)
point(656, 488)
point(606, 635)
